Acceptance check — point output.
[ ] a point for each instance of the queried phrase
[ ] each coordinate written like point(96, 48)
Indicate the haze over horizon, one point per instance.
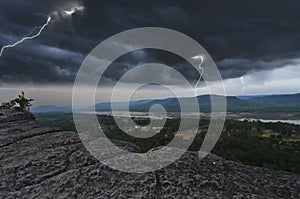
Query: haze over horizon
point(256, 48)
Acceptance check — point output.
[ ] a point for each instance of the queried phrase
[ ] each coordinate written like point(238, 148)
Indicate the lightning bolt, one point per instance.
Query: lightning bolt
point(243, 82)
point(72, 11)
point(41, 28)
point(67, 13)
point(27, 37)
point(200, 70)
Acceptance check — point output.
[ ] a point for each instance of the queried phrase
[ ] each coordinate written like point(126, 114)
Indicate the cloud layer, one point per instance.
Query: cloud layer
point(243, 37)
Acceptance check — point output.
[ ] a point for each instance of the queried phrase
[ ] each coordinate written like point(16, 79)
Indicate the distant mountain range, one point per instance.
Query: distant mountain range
point(50, 108)
point(269, 103)
point(278, 99)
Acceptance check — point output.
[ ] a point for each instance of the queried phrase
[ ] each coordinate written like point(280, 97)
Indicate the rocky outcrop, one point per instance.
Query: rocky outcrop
point(41, 162)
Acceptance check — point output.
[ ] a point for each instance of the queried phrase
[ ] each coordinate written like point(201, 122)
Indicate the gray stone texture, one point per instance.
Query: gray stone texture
point(41, 162)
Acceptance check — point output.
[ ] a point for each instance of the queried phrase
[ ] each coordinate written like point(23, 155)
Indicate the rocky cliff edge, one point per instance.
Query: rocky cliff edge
point(41, 162)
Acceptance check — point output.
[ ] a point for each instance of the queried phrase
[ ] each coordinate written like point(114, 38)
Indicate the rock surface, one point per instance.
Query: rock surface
point(41, 162)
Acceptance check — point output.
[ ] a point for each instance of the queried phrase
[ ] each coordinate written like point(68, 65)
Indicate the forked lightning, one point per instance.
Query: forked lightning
point(26, 37)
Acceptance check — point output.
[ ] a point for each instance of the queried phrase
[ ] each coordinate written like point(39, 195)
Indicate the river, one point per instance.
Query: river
point(297, 122)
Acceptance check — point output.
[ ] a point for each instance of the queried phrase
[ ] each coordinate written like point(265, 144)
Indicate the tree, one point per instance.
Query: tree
point(8, 104)
point(21, 100)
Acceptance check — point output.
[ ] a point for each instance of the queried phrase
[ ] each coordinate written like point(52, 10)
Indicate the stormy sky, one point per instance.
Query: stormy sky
point(256, 40)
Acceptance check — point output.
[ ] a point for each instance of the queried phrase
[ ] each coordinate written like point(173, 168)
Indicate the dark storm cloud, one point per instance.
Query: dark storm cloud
point(232, 68)
point(242, 36)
